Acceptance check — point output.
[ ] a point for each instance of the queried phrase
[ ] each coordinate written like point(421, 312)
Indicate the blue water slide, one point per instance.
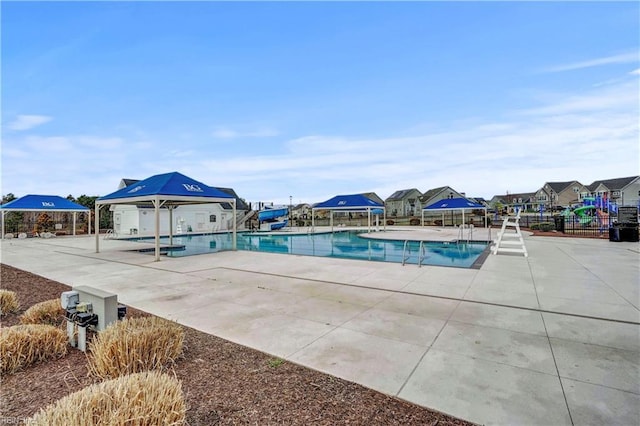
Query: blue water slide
point(272, 214)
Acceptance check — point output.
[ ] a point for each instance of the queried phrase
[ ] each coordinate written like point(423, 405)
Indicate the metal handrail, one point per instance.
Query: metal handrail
point(406, 255)
point(423, 253)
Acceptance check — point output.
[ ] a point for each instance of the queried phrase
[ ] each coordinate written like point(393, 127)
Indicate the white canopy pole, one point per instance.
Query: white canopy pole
point(422, 220)
point(170, 225)
point(384, 214)
point(156, 204)
point(331, 219)
point(97, 227)
point(89, 222)
point(369, 220)
point(486, 224)
point(3, 212)
point(234, 244)
point(74, 223)
point(313, 219)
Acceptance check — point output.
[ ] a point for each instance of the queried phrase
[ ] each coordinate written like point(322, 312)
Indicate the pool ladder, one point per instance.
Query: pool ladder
point(406, 252)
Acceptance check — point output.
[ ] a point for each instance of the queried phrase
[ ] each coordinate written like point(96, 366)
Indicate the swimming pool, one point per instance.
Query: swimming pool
point(345, 245)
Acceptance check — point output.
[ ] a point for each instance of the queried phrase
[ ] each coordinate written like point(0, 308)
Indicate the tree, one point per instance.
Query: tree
point(44, 223)
point(12, 220)
point(106, 219)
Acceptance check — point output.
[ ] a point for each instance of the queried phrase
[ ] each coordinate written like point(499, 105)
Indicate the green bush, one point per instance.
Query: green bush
point(542, 226)
point(547, 226)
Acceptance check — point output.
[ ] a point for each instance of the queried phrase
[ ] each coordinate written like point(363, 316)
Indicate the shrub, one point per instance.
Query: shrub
point(542, 226)
point(148, 398)
point(134, 345)
point(47, 312)
point(547, 226)
point(23, 345)
point(8, 302)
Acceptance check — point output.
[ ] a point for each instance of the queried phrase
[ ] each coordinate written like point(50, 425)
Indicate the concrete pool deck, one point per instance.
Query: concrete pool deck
point(549, 339)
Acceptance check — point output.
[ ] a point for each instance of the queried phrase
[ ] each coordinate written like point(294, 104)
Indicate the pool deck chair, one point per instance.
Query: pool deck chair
point(509, 241)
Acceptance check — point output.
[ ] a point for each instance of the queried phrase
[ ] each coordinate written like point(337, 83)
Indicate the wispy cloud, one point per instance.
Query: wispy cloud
point(622, 58)
point(635, 72)
point(26, 122)
point(228, 133)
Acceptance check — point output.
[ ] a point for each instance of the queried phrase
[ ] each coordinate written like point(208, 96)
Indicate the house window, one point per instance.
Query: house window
point(212, 218)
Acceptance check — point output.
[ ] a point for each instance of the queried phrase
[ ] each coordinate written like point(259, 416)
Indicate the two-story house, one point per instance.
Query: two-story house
point(404, 202)
point(622, 191)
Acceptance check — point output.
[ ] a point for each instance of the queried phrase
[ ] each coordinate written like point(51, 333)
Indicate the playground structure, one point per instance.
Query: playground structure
point(594, 211)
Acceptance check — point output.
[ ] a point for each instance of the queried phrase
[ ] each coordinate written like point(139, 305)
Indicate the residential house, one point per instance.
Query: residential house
point(436, 194)
point(301, 211)
point(511, 202)
point(560, 194)
point(404, 202)
point(623, 191)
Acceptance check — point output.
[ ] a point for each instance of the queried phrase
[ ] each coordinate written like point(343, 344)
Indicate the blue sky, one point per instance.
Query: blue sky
point(314, 99)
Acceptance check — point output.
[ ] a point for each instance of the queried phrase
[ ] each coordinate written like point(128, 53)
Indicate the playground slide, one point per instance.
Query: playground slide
point(582, 213)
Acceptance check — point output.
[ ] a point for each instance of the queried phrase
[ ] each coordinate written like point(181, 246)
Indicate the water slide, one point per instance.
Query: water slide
point(273, 219)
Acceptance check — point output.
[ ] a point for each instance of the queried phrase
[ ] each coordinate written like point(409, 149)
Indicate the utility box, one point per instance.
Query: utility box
point(105, 304)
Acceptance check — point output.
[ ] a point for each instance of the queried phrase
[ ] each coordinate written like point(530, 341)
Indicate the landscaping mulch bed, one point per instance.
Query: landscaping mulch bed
point(223, 382)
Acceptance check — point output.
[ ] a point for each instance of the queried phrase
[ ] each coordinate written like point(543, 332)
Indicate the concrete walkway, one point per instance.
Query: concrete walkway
point(549, 339)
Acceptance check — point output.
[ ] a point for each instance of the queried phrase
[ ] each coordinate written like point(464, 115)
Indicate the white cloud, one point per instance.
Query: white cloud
point(623, 58)
point(635, 72)
point(26, 122)
point(585, 136)
point(228, 133)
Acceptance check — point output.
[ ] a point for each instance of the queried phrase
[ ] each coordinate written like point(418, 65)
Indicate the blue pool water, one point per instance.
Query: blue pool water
point(345, 245)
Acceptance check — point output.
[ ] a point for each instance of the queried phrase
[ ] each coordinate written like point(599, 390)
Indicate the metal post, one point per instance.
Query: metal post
point(71, 333)
point(82, 338)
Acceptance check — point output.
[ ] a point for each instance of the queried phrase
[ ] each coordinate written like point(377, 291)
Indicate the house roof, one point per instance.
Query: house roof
point(558, 187)
point(613, 184)
point(374, 197)
point(127, 182)
point(399, 195)
point(240, 204)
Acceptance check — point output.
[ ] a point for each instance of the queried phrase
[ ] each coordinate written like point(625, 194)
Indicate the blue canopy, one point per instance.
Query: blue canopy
point(43, 202)
point(354, 202)
point(349, 202)
point(454, 204)
point(51, 203)
point(168, 184)
point(166, 190)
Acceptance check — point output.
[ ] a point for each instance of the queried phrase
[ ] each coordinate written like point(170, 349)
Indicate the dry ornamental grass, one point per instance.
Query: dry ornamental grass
point(135, 345)
point(149, 398)
point(8, 302)
point(23, 345)
point(47, 312)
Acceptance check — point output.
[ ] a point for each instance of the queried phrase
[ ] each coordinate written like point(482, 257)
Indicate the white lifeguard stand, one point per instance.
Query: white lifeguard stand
point(509, 241)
